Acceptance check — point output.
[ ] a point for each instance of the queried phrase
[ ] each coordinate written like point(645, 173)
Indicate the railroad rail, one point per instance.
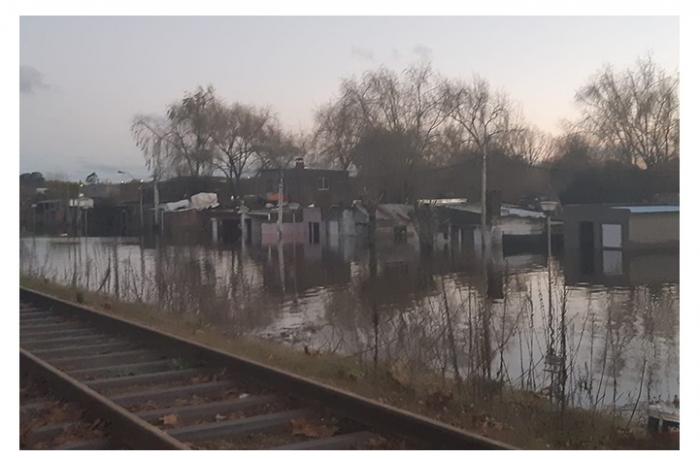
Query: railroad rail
point(155, 390)
point(48, 422)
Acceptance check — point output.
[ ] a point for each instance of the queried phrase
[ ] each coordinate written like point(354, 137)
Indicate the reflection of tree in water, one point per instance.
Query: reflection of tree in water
point(417, 314)
point(212, 285)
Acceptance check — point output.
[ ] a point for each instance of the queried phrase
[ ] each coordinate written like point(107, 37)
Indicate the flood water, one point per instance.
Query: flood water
point(619, 321)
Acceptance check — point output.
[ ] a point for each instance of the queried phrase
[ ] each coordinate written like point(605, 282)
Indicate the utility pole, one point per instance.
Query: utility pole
point(156, 202)
point(483, 186)
point(140, 196)
point(280, 201)
point(141, 206)
point(243, 210)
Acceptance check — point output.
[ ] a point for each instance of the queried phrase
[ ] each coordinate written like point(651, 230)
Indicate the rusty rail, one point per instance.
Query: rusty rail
point(381, 418)
point(127, 427)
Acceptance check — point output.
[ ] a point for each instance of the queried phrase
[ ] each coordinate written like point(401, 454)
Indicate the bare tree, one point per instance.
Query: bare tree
point(530, 144)
point(152, 137)
point(484, 117)
point(278, 148)
point(238, 133)
point(408, 104)
point(634, 113)
point(191, 132)
point(337, 133)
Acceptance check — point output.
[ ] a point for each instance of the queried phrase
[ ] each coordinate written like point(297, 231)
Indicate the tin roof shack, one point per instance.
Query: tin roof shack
point(187, 220)
point(516, 228)
point(319, 187)
point(626, 227)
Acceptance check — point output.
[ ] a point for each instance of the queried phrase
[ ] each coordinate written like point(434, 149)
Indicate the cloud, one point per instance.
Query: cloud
point(30, 79)
point(423, 52)
point(362, 53)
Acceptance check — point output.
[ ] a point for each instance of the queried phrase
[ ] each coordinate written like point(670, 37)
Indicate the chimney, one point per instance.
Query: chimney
point(299, 162)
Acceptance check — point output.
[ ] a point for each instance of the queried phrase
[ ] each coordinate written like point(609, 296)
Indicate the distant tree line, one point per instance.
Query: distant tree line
point(393, 129)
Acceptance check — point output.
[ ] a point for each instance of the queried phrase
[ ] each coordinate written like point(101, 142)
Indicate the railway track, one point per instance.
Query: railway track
point(48, 422)
point(131, 386)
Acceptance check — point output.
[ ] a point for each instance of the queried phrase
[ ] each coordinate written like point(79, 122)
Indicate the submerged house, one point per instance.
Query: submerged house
point(459, 224)
point(621, 244)
point(302, 225)
point(625, 227)
point(318, 187)
point(313, 204)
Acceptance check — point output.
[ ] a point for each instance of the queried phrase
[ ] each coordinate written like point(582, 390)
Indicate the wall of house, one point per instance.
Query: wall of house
point(598, 214)
point(654, 229)
point(518, 226)
point(186, 225)
point(304, 186)
point(291, 232)
point(294, 232)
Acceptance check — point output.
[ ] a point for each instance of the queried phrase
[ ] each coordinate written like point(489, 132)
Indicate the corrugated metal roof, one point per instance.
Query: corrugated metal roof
point(649, 209)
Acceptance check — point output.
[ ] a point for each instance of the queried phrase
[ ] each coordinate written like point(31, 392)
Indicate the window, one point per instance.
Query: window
point(400, 234)
point(612, 236)
point(322, 183)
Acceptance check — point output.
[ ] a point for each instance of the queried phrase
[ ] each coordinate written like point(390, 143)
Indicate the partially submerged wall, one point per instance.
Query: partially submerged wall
point(654, 229)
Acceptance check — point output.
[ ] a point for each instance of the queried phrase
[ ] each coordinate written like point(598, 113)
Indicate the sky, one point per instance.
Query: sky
point(83, 79)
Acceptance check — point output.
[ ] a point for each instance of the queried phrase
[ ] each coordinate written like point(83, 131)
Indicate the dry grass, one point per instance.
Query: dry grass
point(520, 418)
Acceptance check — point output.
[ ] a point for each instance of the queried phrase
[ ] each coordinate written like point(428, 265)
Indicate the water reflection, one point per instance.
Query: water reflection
point(610, 334)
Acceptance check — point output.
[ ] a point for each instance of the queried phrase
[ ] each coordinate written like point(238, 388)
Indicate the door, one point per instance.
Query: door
point(314, 232)
point(586, 247)
point(585, 236)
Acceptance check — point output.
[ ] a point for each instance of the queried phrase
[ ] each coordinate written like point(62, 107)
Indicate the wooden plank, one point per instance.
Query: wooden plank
point(35, 344)
point(149, 378)
point(117, 371)
point(42, 321)
point(253, 424)
point(208, 409)
point(114, 358)
point(98, 443)
point(167, 394)
point(48, 328)
point(355, 440)
point(68, 332)
point(71, 352)
point(29, 409)
point(34, 315)
point(47, 432)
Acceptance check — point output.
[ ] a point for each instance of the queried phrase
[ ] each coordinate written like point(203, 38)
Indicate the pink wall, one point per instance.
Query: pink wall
point(291, 232)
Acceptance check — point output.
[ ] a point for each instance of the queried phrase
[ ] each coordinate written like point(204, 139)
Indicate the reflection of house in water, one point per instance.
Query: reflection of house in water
point(296, 268)
point(621, 244)
point(619, 267)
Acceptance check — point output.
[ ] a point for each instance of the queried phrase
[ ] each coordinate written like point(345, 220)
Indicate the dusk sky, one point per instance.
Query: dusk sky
point(82, 80)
